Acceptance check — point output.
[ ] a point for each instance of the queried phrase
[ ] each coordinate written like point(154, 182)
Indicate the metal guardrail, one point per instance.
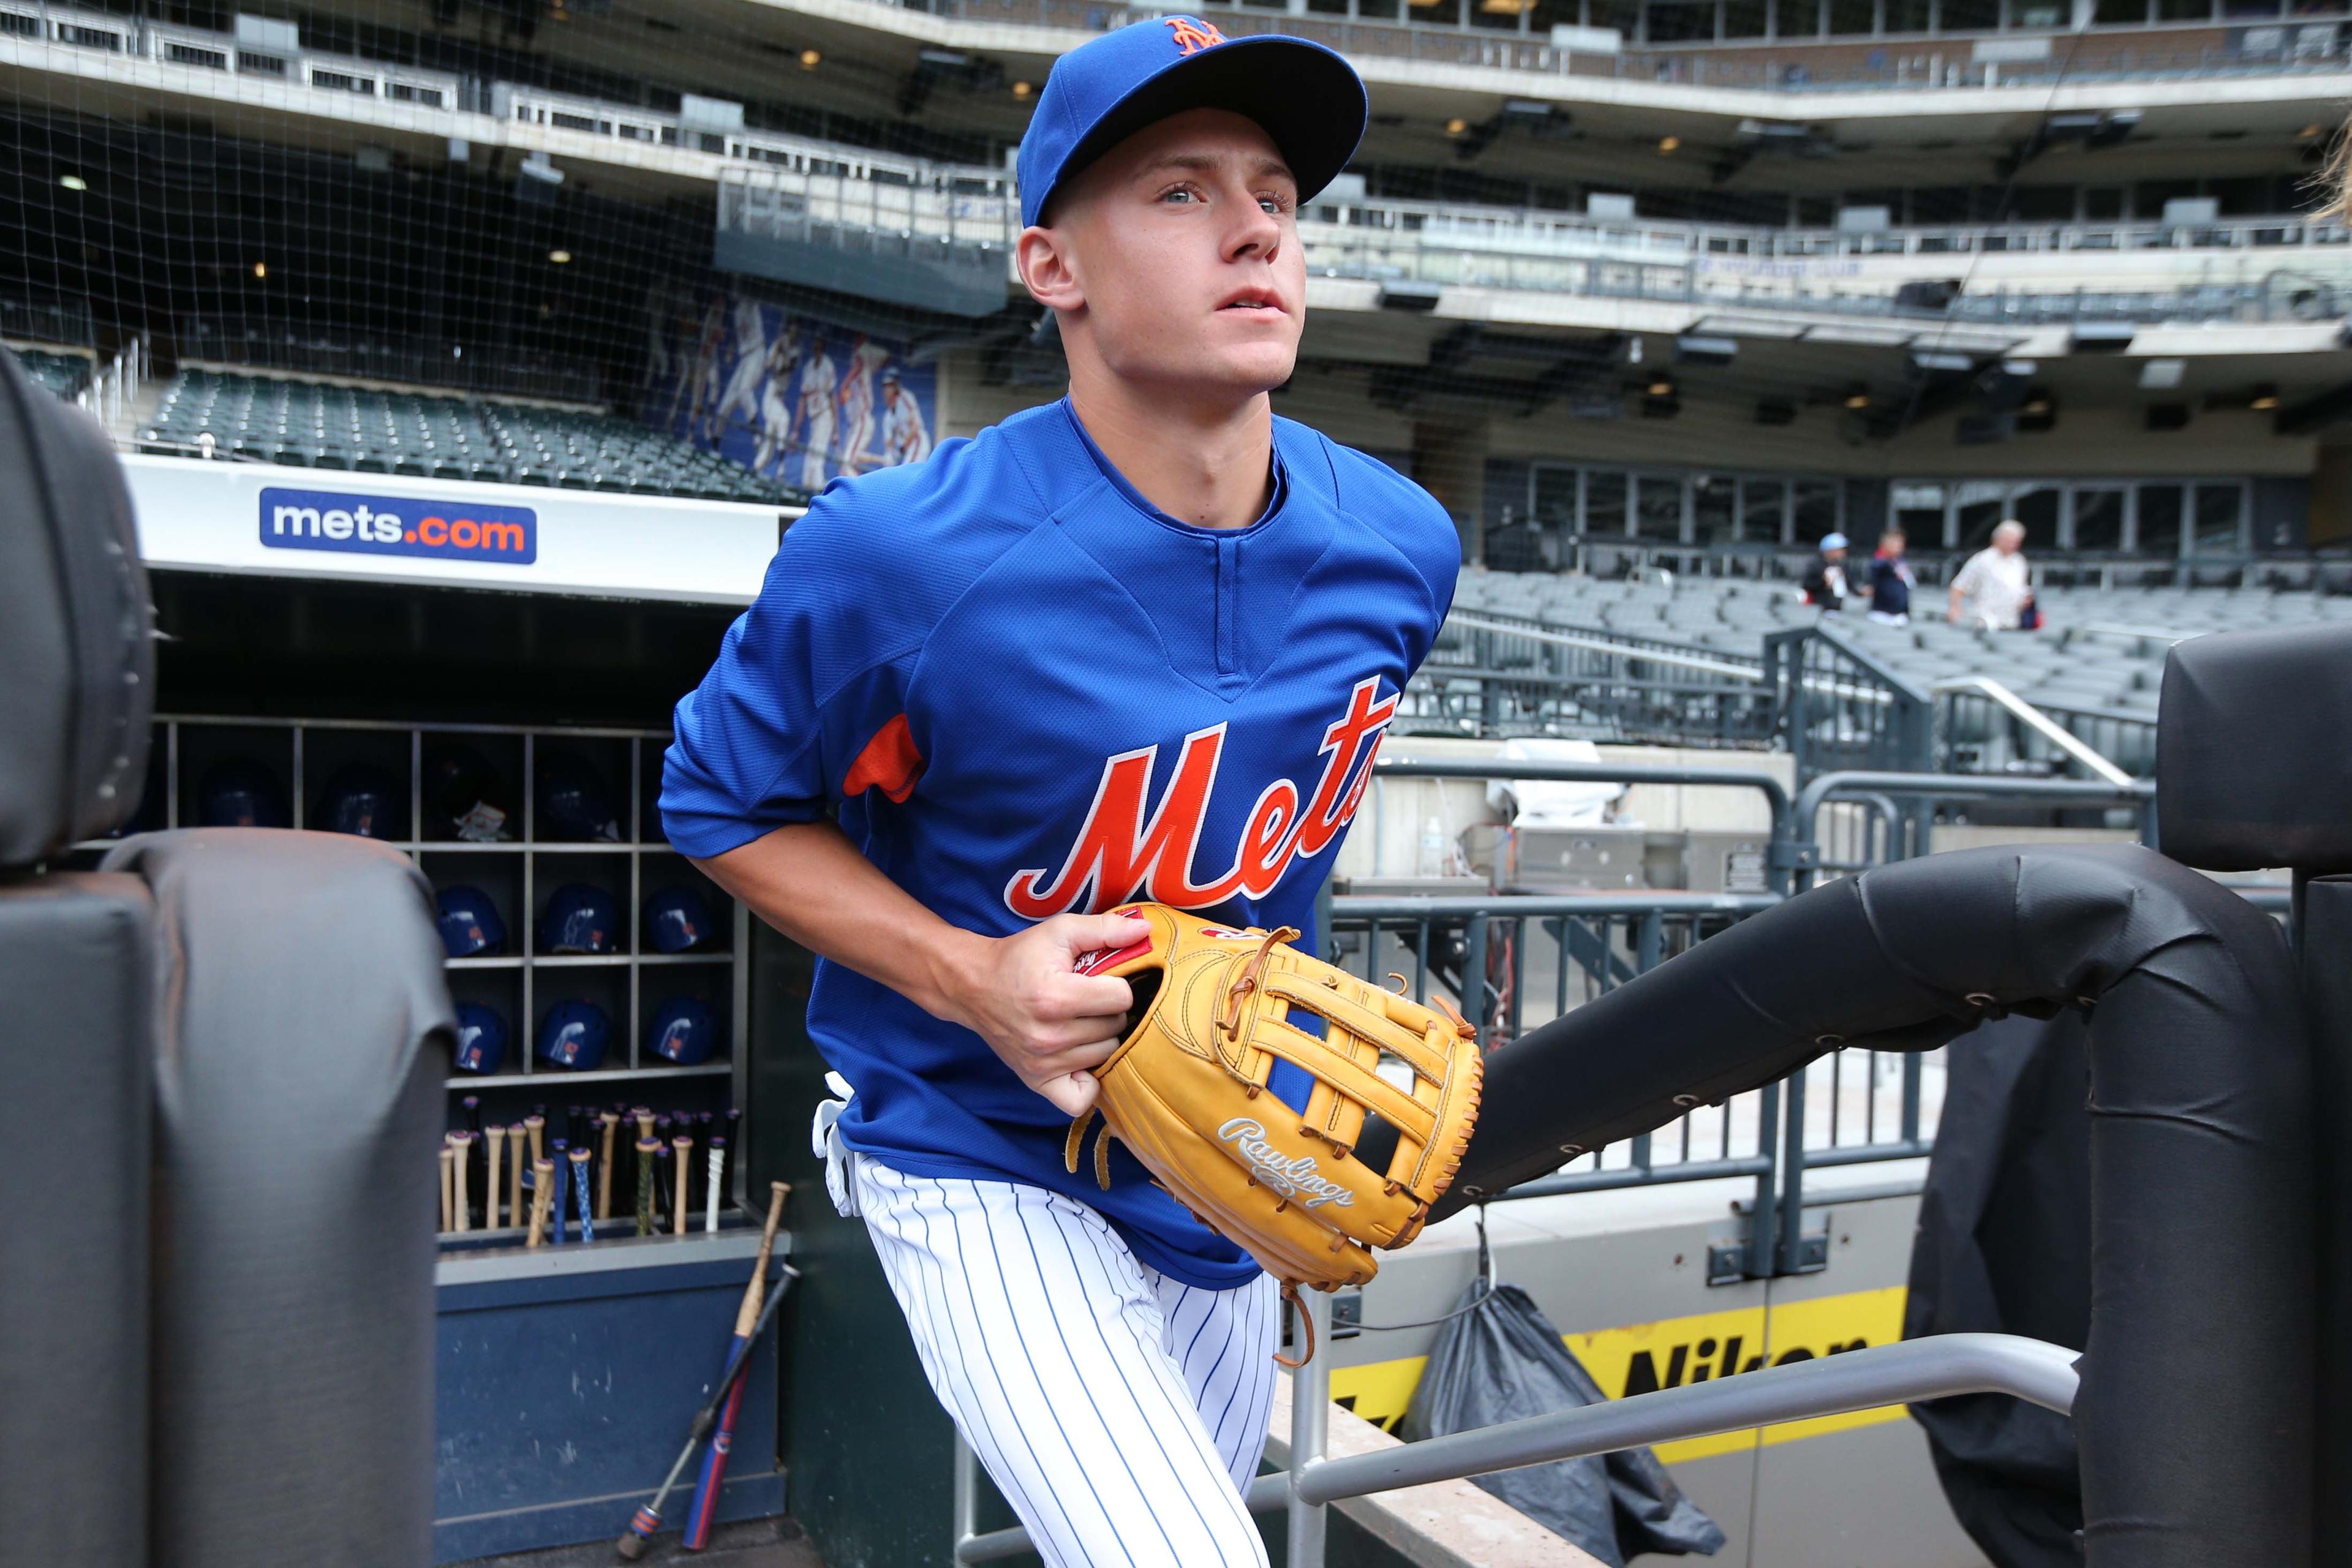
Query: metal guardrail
point(2035, 721)
point(1495, 674)
point(1823, 66)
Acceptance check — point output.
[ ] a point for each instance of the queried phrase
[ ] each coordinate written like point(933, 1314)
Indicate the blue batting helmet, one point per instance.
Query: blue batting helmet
point(677, 920)
point(469, 922)
point(362, 799)
point(684, 1031)
point(572, 1035)
point(239, 792)
point(579, 918)
point(574, 803)
point(481, 1039)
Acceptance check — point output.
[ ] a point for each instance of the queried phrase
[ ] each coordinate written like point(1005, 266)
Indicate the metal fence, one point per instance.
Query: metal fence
point(1496, 674)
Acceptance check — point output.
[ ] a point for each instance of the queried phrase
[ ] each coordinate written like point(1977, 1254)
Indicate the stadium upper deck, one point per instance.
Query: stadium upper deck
point(1732, 247)
point(2159, 221)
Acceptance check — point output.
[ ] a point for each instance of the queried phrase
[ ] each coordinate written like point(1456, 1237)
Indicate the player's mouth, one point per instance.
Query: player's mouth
point(1256, 302)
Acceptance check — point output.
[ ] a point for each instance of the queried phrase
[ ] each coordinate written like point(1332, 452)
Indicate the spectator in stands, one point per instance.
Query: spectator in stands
point(1992, 589)
point(1825, 584)
point(1891, 580)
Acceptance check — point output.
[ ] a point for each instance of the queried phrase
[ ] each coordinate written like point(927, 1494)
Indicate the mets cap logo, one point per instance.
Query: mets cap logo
point(1191, 35)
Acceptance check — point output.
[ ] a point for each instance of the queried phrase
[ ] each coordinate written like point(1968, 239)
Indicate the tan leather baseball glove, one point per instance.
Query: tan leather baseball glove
point(1186, 1091)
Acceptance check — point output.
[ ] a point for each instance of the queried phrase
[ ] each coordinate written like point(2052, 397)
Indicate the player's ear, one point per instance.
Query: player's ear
point(1048, 268)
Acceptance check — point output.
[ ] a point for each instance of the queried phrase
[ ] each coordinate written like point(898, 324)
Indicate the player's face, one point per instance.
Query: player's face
point(1182, 242)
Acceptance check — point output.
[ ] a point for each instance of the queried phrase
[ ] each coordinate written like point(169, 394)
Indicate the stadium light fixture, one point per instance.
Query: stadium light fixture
point(261, 269)
point(2265, 397)
point(1669, 143)
point(1022, 89)
point(1661, 386)
point(809, 58)
point(1456, 126)
point(73, 182)
point(1857, 398)
point(560, 258)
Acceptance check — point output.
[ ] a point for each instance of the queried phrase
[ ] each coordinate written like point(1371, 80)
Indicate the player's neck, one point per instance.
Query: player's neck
point(1211, 467)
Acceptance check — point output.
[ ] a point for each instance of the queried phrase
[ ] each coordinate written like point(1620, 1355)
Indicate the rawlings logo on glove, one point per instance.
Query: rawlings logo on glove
point(1292, 1178)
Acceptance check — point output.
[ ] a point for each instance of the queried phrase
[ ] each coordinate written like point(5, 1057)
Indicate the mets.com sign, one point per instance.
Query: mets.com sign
point(399, 525)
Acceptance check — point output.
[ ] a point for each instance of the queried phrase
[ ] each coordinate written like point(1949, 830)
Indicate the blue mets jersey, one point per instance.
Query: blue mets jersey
point(1028, 691)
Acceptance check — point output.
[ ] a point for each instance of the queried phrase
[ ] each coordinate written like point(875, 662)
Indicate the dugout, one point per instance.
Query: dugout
point(301, 686)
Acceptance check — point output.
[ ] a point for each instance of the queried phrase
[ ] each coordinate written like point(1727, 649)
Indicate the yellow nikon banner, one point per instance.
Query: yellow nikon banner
point(1641, 1358)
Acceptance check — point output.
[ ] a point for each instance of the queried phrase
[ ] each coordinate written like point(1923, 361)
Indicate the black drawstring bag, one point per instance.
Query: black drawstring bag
point(1498, 1359)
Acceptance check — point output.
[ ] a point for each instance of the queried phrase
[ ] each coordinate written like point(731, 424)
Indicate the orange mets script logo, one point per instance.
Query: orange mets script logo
point(1134, 847)
point(1192, 37)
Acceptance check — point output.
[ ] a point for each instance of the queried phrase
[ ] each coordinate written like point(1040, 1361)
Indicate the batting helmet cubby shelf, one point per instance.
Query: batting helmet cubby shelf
point(296, 767)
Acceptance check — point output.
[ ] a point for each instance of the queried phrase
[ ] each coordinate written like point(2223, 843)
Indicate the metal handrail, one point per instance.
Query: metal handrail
point(2033, 719)
point(1932, 1368)
point(2122, 629)
point(1709, 663)
point(2138, 794)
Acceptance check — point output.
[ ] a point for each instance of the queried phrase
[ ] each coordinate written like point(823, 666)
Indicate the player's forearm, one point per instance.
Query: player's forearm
point(810, 883)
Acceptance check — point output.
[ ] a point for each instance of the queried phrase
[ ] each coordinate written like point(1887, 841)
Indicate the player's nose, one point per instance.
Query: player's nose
point(1253, 231)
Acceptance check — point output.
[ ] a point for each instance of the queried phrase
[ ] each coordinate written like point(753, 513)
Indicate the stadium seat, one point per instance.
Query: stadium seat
point(307, 425)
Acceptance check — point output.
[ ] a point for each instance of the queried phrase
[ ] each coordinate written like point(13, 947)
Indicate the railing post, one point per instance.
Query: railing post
point(1310, 1410)
point(1792, 1177)
point(967, 1492)
point(1763, 1227)
point(1474, 975)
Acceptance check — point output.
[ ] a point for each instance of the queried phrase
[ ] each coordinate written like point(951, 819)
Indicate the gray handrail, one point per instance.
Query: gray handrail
point(1604, 645)
point(1931, 1368)
point(1964, 786)
point(2035, 720)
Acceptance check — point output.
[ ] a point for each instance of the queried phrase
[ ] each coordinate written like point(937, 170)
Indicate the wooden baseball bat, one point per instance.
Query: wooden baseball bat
point(703, 1512)
point(497, 1136)
point(645, 1122)
point(514, 1186)
point(580, 1193)
point(684, 1147)
point(448, 1187)
point(542, 1189)
point(610, 1123)
point(536, 1125)
point(558, 1153)
point(464, 1150)
point(645, 1150)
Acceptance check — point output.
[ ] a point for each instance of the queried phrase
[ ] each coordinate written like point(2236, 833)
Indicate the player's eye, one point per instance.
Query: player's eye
point(1181, 196)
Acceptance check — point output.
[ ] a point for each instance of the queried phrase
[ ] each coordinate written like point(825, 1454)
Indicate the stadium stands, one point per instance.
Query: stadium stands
point(62, 373)
point(2100, 650)
point(314, 425)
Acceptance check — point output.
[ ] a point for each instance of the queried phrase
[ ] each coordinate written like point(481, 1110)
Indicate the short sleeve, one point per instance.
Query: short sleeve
point(805, 704)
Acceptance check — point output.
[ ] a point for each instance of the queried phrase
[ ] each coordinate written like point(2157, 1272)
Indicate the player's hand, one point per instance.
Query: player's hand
point(1050, 1024)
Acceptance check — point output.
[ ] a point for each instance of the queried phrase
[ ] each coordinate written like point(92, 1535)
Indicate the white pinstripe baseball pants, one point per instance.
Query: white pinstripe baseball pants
point(1120, 1412)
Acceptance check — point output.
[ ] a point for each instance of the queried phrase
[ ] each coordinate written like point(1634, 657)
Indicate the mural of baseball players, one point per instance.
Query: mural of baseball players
point(790, 397)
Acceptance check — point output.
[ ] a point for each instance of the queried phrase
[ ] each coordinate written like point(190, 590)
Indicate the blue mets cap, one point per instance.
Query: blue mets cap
point(1309, 101)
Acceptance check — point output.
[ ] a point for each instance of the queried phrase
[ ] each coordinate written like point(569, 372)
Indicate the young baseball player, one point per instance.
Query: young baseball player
point(1140, 644)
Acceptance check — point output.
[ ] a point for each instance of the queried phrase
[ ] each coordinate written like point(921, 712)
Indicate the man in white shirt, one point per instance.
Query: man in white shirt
point(1992, 589)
